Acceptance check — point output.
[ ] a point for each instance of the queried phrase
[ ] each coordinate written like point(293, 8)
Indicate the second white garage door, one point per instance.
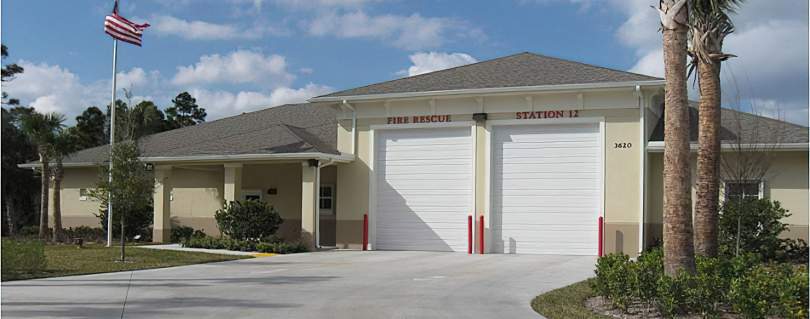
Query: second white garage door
point(546, 188)
point(424, 188)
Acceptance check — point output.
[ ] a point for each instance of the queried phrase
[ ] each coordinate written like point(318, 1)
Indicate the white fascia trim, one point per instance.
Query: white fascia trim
point(37, 165)
point(658, 146)
point(514, 89)
point(342, 158)
point(331, 158)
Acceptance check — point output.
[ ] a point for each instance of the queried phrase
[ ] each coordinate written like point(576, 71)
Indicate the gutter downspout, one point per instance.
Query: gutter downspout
point(318, 200)
point(354, 127)
point(643, 177)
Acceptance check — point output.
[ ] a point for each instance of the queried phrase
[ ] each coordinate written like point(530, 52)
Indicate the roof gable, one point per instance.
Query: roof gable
point(519, 70)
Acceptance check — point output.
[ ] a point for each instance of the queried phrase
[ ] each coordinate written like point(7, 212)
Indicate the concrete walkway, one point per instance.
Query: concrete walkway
point(346, 284)
point(178, 247)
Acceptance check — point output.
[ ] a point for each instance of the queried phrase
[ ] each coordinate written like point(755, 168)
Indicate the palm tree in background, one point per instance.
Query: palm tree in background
point(709, 24)
point(64, 142)
point(679, 251)
point(40, 129)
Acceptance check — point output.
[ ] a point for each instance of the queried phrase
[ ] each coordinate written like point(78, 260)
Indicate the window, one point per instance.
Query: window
point(83, 194)
point(327, 199)
point(743, 190)
point(251, 194)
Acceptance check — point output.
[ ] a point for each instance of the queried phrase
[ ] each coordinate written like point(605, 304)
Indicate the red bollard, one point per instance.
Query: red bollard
point(365, 231)
point(601, 222)
point(481, 234)
point(469, 235)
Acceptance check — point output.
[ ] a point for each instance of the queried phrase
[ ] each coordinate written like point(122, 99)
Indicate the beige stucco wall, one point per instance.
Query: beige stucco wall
point(76, 212)
point(786, 181)
point(196, 194)
point(618, 109)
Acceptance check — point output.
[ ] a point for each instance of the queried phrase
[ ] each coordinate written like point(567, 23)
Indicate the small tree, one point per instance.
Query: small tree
point(40, 129)
point(64, 143)
point(132, 185)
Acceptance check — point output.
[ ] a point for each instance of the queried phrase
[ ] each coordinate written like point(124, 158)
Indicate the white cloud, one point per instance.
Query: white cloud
point(197, 30)
point(240, 66)
point(52, 88)
point(223, 103)
point(323, 4)
point(424, 62)
point(411, 32)
point(771, 42)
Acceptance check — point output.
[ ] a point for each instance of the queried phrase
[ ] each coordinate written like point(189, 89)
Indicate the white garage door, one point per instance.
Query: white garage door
point(424, 188)
point(546, 189)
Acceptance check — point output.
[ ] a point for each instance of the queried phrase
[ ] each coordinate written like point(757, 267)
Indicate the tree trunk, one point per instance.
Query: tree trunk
point(678, 246)
point(708, 160)
point(11, 219)
point(123, 238)
point(57, 203)
point(43, 210)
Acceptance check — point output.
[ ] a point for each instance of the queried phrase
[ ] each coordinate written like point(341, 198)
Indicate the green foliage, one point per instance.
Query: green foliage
point(23, 256)
point(742, 283)
point(90, 128)
point(771, 290)
point(93, 234)
point(250, 219)
point(185, 112)
point(146, 119)
point(181, 233)
point(275, 246)
point(759, 223)
point(19, 186)
point(613, 279)
point(131, 189)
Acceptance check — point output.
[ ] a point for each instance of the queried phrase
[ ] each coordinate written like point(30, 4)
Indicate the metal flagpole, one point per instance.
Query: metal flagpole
point(112, 143)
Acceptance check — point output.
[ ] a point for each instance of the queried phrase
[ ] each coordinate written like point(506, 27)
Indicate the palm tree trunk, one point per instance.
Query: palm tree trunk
point(43, 210)
point(708, 160)
point(57, 203)
point(678, 245)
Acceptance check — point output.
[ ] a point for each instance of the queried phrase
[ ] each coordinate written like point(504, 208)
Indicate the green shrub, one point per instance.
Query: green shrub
point(180, 233)
point(250, 219)
point(278, 247)
point(770, 290)
point(93, 234)
point(757, 223)
point(613, 279)
point(23, 256)
point(646, 272)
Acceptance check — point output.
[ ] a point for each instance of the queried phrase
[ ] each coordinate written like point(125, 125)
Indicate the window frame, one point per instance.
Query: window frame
point(330, 210)
point(251, 192)
point(760, 188)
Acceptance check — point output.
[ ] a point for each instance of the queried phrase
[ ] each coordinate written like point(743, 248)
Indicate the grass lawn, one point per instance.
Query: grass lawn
point(566, 302)
point(64, 260)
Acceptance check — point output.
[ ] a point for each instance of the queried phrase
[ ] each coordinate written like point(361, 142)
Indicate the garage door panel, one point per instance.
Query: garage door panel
point(424, 188)
point(546, 188)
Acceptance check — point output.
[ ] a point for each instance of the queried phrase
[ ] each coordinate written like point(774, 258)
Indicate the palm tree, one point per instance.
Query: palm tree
point(40, 129)
point(64, 143)
point(679, 251)
point(709, 24)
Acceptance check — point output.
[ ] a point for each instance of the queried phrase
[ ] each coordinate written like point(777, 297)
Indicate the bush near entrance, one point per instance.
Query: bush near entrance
point(250, 219)
point(275, 246)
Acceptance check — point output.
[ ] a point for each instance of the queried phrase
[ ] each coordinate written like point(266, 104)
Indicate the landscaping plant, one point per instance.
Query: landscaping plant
point(250, 219)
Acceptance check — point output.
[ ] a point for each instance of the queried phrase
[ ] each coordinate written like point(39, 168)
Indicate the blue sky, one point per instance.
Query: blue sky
point(242, 55)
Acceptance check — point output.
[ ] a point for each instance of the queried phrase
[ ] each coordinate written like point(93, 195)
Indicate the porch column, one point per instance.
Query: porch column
point(233, 182)
point(309, 211)
point(162, 225)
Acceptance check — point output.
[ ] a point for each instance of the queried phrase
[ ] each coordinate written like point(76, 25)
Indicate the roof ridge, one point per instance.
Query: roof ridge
point(762, 117)
point(429, 73)
point(591, 65)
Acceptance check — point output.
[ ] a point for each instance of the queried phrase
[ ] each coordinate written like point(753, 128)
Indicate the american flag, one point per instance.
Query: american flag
point(122, 29)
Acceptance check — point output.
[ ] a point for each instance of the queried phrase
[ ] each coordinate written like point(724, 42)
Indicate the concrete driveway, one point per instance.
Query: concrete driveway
point(338, 284)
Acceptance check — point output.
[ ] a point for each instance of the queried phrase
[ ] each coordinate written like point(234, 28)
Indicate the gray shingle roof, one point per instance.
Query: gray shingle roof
point(744, 127)
point(291, 128)
point(523, 69)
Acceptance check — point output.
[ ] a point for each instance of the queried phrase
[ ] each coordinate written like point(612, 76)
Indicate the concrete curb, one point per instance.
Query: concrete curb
point(178, 247)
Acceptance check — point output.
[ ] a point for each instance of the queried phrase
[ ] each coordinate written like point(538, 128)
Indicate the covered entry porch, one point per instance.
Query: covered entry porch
point(301, 190)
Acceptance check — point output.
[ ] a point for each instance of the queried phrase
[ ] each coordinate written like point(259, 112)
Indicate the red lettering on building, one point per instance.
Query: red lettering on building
point(546, 114)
